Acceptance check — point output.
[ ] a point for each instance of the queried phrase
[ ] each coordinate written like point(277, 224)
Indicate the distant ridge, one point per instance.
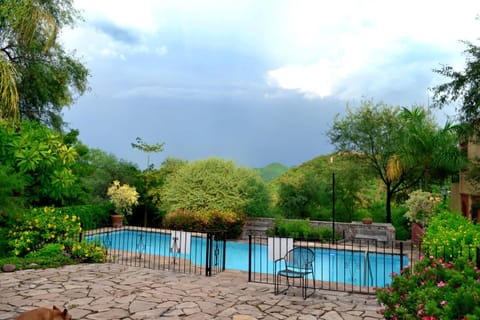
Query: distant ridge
point(272, 171)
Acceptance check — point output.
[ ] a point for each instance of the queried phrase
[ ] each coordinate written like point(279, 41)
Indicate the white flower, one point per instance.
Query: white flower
point(123, 197)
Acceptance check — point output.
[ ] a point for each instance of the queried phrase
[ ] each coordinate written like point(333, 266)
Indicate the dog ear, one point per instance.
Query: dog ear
point(55, 308)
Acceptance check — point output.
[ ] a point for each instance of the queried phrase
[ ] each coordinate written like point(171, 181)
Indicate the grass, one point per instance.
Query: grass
point(37, 262)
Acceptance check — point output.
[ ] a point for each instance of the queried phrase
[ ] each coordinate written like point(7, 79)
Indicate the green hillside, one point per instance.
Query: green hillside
point(272, 171)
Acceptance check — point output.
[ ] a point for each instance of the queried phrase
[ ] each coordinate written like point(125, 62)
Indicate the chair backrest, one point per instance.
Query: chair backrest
point(300, 258)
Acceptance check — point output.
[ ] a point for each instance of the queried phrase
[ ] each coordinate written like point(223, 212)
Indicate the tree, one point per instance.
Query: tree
point(215, 184)
point(401, 146)
point(147, 173)
point(38, 77)
point(464, 86)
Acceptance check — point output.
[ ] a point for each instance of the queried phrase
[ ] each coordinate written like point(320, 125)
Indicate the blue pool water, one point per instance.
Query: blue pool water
point(345, 266)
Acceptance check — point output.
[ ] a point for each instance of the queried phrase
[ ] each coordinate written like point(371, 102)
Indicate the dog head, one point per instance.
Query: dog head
point(61, 315)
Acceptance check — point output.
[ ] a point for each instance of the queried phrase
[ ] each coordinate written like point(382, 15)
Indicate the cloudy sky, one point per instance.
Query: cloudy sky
point(253, 81)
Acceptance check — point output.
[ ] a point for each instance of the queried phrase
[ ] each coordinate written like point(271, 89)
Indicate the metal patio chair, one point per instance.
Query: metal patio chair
point(298, 263)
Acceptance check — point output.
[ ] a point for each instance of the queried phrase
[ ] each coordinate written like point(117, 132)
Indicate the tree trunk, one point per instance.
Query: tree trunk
point(388, 206)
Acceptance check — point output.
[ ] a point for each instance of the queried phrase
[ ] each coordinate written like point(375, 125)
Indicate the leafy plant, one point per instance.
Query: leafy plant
point(123, 197)
point(301, 229)
point(206, 221)
point(421, 206)
point(91, 216)
point(88, 252)
point(433, 289)
point(41, 226)
point(450, 235)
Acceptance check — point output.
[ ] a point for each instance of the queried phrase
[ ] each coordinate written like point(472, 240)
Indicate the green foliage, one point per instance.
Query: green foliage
point(91, 216)
point(463, 86)
point(53, 261)
point(401, 146)
point(306, 191)
point(41, 226)
point(214, 184)
point(402, 227)
point(209, 220)
point(40, 77)
point(37, 159)
point(451, 235)
point(48, 250)
point(88, 252)
point(421, 207)
point(272, 171)
point(97, 169)
point(301, 230)
point(434, 289)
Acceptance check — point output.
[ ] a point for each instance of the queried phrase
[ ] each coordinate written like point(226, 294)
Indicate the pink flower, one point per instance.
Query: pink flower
point(443, 303)
point(422, 257)
point(393, 274)
point(420, 312)
point(441, 284)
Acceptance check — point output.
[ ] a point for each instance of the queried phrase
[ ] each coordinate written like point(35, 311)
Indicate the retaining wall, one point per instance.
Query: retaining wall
point(353, 230)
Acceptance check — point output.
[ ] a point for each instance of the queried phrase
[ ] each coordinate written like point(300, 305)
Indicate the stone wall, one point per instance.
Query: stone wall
point(351, 231)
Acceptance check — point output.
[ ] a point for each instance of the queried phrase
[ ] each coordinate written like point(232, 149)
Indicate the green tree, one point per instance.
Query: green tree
point(401, 147)
point(147, 173)
point(463, 87)
point(215, 184)
point(97, 169)
point(299, 195)
point(38, 77)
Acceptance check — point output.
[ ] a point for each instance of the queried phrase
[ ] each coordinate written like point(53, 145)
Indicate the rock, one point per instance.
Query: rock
point(7, 267)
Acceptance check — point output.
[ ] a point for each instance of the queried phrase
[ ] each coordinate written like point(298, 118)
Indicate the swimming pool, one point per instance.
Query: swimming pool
point(345, 266)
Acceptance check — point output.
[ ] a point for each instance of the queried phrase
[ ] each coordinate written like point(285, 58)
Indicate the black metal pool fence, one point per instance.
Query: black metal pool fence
point(357, 266)
point(178, 251)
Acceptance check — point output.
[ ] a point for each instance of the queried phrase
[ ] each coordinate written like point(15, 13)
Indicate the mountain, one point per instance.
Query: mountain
point(272, 171)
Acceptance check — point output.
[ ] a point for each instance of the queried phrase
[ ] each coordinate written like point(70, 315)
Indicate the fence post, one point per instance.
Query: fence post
point(208, 257)
point(224, 251)
point(401, 255)
point(249, 258)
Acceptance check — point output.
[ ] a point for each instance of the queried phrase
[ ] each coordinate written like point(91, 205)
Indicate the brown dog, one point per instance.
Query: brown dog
point(45, 314)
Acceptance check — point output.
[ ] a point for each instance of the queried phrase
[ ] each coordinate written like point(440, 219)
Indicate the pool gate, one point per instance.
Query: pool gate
point(178, 251)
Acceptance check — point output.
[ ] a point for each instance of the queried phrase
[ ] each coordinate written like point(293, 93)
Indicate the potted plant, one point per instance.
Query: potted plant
point(123, 197)
point(421, 208)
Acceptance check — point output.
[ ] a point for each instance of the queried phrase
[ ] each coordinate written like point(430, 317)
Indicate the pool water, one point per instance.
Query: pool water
point(345, 266)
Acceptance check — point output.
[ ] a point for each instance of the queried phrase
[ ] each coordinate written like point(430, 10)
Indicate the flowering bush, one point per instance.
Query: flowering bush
point(206, 220)
point(433, 290)
point(421, 207)
point(51, 232)
point(123, 197)
point(450, 235)
point(88, 252)
point(41, 226)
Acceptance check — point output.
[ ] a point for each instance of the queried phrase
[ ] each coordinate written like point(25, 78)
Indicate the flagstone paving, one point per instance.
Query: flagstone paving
point(112, 291)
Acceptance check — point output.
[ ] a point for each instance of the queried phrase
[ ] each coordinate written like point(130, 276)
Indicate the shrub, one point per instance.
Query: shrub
point(401, 224)
point(91, 216)
point(123, 197)
point(41, 226)
point(451, 235)
point(206, 221)
point(421, 207)
point(50, 232)
point(88, 252)
point(301, 230)
point(433, 290)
